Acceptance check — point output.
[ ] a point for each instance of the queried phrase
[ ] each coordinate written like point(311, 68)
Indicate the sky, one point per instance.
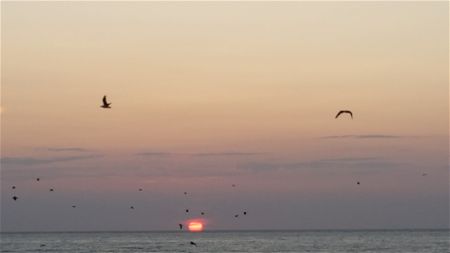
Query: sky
point(206, 95)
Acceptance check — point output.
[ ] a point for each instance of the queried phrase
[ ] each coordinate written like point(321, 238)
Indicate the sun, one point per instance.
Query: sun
point(195, 226)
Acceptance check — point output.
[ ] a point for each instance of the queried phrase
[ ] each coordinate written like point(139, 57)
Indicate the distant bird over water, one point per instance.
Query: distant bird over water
point(13, 187)
point(51, 189)
point(245, 213)
point(202, 213)
point(181, 226)
point(131, 207)
point(424, 174)
point(193, 243)
point(105, 104)
point(344, 111)
point(358, 183)
point(37, 179)
point(74, 206)
point(15, 198)
point(187, 210)
point(140, 189)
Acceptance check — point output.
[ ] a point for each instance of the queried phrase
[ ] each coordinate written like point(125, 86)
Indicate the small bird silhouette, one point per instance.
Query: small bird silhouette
point(131, 207)
point(42, 245)
point(51, 189)
point(424, 174)
point(245, 213)
point(15, 198)
point(13, 187)
point(344, 111)
point(181, 226)
point(236, 215)
point(202, 213)
point(358, 183)
point(185, 193)
point(140, 189)
point(187, 210)
point(74, 206)
point(38, 179)
point(105, 104)
point(193, 243)
point(233, 185)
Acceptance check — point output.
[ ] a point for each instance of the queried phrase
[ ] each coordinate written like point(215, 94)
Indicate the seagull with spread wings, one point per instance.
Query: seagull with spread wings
point(344, 111)
point(105, 104)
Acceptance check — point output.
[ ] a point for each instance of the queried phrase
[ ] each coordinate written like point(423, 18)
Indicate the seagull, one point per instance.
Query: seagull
point(15, 198)
point(105, 105)
point(181, 226)
point(193, 243)
point(42, 245)
point(344, 111)
point(236, 215)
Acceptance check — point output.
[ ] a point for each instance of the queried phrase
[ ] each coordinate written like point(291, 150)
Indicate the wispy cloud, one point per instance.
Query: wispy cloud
point(68, 149)
point(30, 161)
point(329, 163)
point(229, 154)
point(364, 136)
point(154, 154)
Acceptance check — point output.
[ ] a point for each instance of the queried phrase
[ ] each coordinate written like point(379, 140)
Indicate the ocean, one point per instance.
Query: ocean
point(324, 241)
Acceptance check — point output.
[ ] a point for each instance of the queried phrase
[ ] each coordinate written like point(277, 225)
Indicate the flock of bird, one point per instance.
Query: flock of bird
point(107, 105)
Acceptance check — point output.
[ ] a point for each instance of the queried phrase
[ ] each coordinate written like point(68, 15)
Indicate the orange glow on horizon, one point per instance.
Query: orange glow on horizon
point(195, 226)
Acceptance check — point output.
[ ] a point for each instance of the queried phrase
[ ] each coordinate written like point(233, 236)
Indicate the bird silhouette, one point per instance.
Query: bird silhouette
point(185, 193)
point(233, 185)
point(344, 111)
point(74, 206)
point(236, 215)
point(51, 189)
point(202, 213)
point(37, 179)
point(105, 104)
point(15, 198)
point(424, 174)
point(245, 213)
point(358, 183)
point(131, 207)
point(13, 187)
point(181, 226)
point(187, 210)
point(193, 243)
point(140, 189)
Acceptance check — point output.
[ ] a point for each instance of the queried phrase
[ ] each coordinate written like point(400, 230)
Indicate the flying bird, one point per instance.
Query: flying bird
point(51, 189)
point(15, 198)
point(37, 179)
point(105, 104)
point(344, 111)
point(245, 213)
point(193, 243)
point(131, 207)
point(140, 189)
point(187, 210)
point(74, 206)
point(202, 213)
point(185, 193)
point(358, 183)
point(181, 226)
point(424, 174)
point(13, 187)
point(233, 185)
point(236, 215)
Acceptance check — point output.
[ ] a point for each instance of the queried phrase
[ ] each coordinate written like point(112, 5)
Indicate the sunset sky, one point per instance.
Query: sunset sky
point(205, 95)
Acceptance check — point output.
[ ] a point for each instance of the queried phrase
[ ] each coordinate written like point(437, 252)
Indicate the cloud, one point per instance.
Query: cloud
point(30, 161)
point(363, 136)
point(358, 163)
point(228, 154)
point(154, 154)
point(67, 149)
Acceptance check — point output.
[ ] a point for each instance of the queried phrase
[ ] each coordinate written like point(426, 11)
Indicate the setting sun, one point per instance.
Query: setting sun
point(195, 226)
